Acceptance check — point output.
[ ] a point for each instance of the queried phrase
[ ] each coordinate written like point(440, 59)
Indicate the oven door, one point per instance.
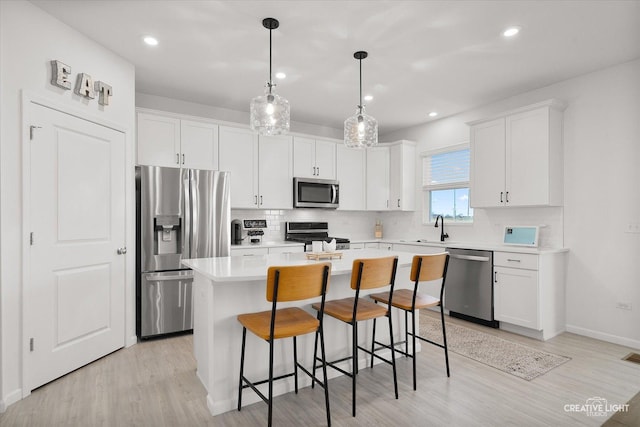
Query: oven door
point(315, 193)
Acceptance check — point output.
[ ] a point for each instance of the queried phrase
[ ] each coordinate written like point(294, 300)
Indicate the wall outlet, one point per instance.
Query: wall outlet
point(632, 227)
point(624, 305)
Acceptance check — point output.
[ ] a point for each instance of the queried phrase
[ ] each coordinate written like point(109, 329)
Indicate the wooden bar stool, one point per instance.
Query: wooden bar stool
point(366, 274)
point(423, 268)
point(291, 283)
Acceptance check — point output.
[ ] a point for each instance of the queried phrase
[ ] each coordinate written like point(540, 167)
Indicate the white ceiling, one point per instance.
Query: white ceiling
point(445, 56)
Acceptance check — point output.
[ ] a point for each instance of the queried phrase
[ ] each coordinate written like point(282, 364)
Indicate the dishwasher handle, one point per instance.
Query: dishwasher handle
point(471, 257)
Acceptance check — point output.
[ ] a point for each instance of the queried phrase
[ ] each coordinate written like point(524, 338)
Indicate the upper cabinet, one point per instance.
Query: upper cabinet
point(314, 158)
point(402, 176)
point(391, 176)
point(351, 173)
point(261, 168)
point(378, 178)
point(516, 158)
point(173, 142)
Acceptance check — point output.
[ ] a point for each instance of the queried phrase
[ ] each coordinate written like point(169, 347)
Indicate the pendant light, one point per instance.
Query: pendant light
point(270, 113)
point(360, 130)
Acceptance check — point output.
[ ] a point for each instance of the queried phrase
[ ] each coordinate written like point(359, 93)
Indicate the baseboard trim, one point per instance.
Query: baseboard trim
point(10, 399)
point(131, 341)
point(603, 336)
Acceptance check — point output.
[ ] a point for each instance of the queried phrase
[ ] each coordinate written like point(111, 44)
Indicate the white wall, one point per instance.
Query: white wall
point(602, 175)
point(30, 38)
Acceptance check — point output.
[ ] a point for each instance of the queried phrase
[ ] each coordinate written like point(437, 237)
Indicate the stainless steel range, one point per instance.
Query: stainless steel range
point(307, 232)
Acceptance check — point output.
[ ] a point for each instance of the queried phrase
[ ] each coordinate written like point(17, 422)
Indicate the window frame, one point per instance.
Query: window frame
point(427, 189)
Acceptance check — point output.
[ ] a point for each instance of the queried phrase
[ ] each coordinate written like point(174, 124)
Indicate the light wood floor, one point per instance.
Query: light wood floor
point(154, 384)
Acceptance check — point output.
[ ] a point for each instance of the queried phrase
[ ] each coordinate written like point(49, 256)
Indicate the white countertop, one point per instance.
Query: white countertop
point(233, 269)
point(467, 245)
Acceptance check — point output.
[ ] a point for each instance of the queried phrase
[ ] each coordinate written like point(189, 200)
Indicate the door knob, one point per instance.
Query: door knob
point(122, 251)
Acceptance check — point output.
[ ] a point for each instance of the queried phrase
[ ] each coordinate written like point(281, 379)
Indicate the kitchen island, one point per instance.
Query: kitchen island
point(227, 286)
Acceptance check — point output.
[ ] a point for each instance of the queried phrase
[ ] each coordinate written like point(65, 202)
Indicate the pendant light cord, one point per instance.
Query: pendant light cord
point(270, 73)
point(360, 106)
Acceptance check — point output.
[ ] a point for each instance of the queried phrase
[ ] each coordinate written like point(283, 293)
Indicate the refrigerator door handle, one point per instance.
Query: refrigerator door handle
point(186, 217)
point(193, 215)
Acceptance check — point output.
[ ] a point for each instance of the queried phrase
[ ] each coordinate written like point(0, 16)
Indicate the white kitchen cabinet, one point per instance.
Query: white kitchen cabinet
point(378, 245)
point(199, 145)
point(249, 251)
point(529, 293)
point(261, 168)
point(402, 176)
point(173, 142)
point(356, 246)
point(314, 158)
point(516, 158)
point(351, 173)
point(158, 140)
point(289, 249)
point(418, 249)
point(275, 172)
point(378, 178)
point(263, 250)
point(239, 156)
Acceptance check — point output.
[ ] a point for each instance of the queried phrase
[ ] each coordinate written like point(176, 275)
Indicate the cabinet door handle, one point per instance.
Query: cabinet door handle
point(513, 260)
point(398, 202)
point(183, 158)
point(318, 168)
point(507, 197)
point(255, 202)
point(495, 277)
point(177, 158)
point(314, 171)
point(260, 200)
point(501, 193)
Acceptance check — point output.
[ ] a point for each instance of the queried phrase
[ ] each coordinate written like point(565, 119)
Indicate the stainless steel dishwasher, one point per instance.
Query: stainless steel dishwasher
point(469, 286)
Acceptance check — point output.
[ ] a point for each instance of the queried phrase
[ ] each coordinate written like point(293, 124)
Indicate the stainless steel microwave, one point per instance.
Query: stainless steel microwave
point(315, 193)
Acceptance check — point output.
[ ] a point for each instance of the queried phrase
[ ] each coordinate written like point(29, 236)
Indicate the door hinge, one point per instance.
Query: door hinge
point(31, 238)
point(30, 344)
point(31, 129)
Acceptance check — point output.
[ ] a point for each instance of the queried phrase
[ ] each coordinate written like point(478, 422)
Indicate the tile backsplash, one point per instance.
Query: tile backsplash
point(488, 224)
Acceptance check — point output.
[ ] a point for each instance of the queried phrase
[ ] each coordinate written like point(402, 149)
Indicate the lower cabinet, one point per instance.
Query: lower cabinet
point(528, 292)
point(262, 250)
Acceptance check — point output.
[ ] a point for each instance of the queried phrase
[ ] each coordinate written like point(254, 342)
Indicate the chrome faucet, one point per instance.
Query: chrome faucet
point(443, 235)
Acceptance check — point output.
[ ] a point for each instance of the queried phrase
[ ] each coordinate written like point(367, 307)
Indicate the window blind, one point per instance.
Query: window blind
point(446, 170)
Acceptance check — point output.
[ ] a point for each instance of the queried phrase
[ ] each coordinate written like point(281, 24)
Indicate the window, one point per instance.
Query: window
point(445, 185)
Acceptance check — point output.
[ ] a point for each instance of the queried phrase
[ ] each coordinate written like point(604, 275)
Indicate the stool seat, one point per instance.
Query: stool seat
point(342, 309)
point(290, 322)
point(402, 298)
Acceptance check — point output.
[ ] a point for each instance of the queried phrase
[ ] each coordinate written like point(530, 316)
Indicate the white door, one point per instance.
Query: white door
point(75, 286)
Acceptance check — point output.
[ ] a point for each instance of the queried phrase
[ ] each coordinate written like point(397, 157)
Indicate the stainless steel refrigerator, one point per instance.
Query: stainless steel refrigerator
point(181, 214)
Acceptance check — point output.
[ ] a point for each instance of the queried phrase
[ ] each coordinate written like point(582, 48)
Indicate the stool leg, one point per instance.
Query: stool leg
point(295, 363)
point(354, 370)
point(393, 354)
point(373, 343)
point(315, 355)
point(270, 381)
point(324, 373)
point(244, 338)
point(406, 335)
point(444, 339)
point(413, 344)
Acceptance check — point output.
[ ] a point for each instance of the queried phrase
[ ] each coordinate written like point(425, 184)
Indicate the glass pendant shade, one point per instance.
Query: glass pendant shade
point(270, 114)
point(360, 130)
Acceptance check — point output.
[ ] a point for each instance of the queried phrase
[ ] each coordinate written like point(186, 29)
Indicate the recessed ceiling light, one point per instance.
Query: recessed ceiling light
point(280, 76)
point(433, 114)
point(368, 97)
point(511, 31)
point(151, 41)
